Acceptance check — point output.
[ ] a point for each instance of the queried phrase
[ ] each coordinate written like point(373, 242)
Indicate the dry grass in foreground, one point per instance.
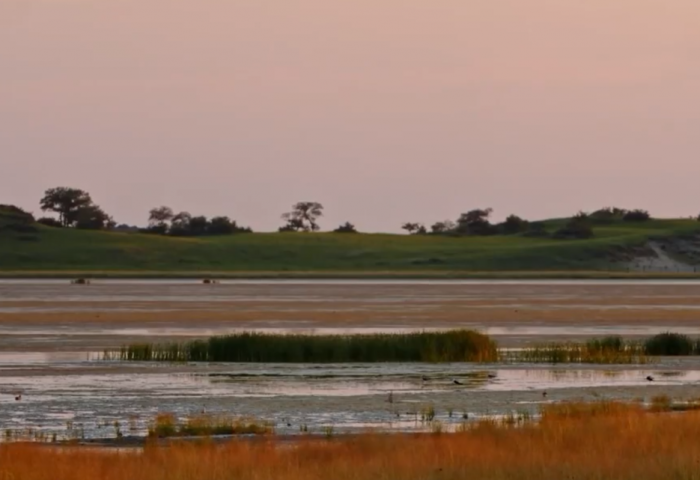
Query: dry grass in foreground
point(573, 441)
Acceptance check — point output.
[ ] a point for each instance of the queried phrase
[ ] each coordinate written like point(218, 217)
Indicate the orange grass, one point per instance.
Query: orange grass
point(574, 441)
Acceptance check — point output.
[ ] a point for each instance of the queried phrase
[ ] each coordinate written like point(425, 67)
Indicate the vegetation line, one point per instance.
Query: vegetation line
point(448, 346)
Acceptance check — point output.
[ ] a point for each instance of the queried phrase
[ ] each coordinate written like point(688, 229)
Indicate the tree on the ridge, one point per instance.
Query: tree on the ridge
point(414, 228)
point(159, 217)
point(92, 217)
point(303, 217)
point(475, 222)
point(67, 202)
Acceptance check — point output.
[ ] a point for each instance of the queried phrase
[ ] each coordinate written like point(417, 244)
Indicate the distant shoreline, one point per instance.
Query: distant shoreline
point(346, 275)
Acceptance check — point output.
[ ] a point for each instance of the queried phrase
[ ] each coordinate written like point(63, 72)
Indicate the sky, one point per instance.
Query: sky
point(385, 111)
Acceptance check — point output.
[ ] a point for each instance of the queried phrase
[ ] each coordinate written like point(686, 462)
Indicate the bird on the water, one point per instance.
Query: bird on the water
point(491, 375)
point(544, 394)
point(18, 397)
point(457, 382)
point(650, 378)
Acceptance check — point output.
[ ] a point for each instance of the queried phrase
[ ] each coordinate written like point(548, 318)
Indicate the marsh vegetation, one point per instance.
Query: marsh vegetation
point(572, 440)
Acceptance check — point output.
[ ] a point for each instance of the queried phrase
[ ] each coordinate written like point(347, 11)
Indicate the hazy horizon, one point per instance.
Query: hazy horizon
point(384, 111)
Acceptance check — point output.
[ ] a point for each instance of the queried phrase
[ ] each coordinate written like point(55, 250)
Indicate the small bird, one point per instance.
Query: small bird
point(457, 382)
point(491, 375)
point(289, 424)
point(18, 397)
point(424, 378)
point(544, 394)
point(650, 378)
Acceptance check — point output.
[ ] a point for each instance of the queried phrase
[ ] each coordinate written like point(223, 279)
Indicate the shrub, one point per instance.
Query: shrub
point(50, 222)
point(514, 224)
point(576, 228)
point(536, 229)
point(636, 216)
point(346, 228)
point(669, 344)
point(607, 215)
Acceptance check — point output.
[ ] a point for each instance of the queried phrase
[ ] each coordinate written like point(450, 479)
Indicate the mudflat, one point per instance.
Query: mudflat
point(55, 315)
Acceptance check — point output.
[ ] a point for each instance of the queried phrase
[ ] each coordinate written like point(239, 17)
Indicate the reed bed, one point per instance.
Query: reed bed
point(573, 441)
point(450, 346)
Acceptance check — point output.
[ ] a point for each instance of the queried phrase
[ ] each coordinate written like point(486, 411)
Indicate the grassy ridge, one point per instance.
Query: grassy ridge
point(66, 250)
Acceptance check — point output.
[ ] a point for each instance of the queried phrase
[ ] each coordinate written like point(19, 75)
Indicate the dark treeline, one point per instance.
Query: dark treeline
point(477, 222)
point(74, 208)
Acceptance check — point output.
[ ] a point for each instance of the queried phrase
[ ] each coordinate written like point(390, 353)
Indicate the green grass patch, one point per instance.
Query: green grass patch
point(97, 252)
point(451, 346)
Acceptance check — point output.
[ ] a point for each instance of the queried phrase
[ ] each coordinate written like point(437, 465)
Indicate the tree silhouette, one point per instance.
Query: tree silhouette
point(303, 217)
point(65, 201)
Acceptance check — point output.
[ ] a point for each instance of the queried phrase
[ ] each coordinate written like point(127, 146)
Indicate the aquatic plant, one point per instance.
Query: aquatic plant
point(670, 344)
point(450, 346)
point(608, 350)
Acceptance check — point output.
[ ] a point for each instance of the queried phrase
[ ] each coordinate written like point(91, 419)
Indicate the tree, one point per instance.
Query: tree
point(159, 217)
point(221, 226)
point(514, 224)
point(475, 222)
point(67, 202)
point(92, 217)
point(198, 225)
point(346, 228)
point(414, 228)
point(180, 224)
point(446, 226)
point(303, 217)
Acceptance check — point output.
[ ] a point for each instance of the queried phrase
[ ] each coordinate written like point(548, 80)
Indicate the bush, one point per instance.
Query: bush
point(607, 215)
point(577, 228)
point(536, 229)
point(50, 222)
point(669, 344)
point(636, 216)
point(514, 224)
point(346, 228)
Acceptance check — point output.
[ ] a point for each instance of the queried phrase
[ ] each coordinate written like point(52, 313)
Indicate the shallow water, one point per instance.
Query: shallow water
point(51, 334)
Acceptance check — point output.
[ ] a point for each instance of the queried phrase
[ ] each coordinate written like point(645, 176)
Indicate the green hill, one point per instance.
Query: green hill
point(37, 249)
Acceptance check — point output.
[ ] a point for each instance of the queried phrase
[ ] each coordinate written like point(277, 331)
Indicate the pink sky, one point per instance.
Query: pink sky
point(384, 110)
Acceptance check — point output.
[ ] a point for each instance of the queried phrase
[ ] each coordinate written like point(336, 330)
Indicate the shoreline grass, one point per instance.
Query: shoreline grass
point(581, 441)
point(246, 347)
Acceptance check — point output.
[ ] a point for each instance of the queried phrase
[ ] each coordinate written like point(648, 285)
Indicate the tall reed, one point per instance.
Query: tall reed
point(450, 346)
point(607, 350)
